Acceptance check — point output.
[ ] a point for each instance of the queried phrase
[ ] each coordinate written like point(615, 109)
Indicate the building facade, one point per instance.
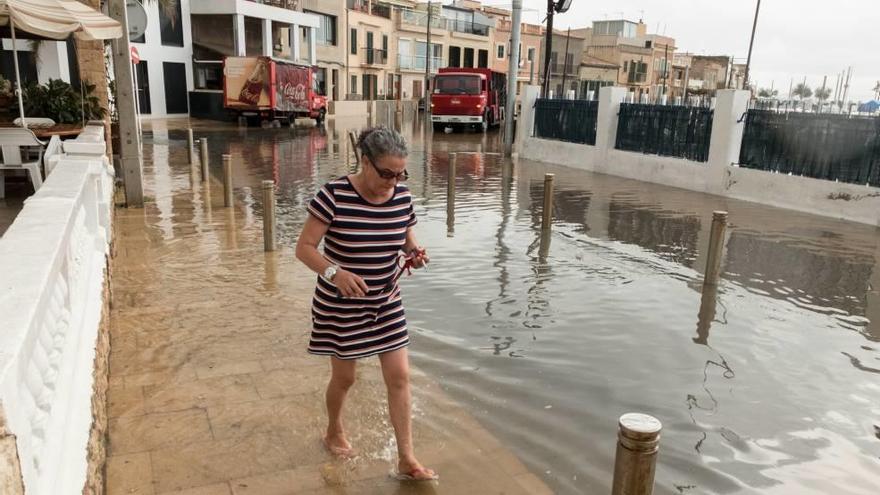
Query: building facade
point(531, 38)
point(566, 51)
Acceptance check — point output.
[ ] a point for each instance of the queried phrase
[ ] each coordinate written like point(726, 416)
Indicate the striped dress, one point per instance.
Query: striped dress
point(365, 239)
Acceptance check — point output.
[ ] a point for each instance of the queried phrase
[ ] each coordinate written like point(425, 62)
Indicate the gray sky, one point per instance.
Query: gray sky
point(795, 38)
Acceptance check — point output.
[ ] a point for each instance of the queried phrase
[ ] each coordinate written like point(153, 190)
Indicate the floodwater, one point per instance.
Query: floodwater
point(769, 384)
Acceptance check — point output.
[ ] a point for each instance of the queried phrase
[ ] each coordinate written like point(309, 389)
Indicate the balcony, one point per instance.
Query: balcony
point(557, 68)
point(637, 77)
point(282, 4)
point(378, 10)
point(375, 56)
point(467, 27)
point(417, 62)
point(414, 18)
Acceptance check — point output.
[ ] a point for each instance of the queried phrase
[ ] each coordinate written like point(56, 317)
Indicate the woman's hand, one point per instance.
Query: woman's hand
point(349, 284)
point(420, 257)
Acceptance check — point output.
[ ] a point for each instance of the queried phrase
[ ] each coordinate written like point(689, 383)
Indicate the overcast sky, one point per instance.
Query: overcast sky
point(795, 38)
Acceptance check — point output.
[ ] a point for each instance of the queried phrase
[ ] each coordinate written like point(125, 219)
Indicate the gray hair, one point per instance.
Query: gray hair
point(376, 142)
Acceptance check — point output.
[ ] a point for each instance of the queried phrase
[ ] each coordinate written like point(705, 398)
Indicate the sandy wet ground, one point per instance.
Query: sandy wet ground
point(211, 390)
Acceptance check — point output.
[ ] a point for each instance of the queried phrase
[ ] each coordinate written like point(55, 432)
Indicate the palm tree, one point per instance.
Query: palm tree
point(768, 93)
point(823, 94)
point(802, 91)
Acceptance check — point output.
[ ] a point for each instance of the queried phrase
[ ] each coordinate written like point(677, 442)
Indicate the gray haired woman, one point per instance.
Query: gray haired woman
point(366, 221)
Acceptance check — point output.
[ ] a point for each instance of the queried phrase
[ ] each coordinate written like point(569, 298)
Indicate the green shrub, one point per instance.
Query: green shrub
point(62, 103)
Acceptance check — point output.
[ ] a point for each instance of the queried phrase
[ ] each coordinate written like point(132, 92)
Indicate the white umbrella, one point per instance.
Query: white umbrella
point(54, 19)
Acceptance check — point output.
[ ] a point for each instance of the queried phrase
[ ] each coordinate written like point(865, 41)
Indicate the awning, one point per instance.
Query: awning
point(57, 19)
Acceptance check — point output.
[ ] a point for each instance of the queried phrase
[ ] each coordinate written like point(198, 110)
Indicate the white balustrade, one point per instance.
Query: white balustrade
point(52, 261)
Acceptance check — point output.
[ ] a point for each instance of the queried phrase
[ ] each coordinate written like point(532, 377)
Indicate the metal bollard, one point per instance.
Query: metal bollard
point(227, 181)
point(638, 440)
point(191, 149)
point(716, 248)
point(547, 214)
point(357, 155)
point(450, 194)
point(204, 156)
point(268, 215)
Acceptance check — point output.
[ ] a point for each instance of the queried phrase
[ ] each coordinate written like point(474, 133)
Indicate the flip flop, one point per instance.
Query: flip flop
point(338, 451)
point(414, 475)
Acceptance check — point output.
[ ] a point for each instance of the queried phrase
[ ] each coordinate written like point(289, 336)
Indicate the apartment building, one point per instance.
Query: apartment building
point(566, 51)
point(330, 41)
point(531, 38)
point(370, 72)
point(644, 60)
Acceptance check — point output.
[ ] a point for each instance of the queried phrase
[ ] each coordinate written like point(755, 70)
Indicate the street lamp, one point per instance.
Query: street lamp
point(553, 7)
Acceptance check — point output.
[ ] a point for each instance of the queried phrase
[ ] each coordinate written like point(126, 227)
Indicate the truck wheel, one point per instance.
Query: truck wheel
point(322, 115)
point(439, 127)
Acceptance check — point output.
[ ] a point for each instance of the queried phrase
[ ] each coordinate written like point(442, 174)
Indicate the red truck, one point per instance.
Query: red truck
point(468, 97)
point(270, 90)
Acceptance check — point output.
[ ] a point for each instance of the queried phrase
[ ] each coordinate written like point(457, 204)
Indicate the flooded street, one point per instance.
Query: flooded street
point(771, 384)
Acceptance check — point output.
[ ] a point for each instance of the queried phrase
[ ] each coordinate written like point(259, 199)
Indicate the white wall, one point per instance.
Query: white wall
point(720, 175)
point(154, 53)
point(52, 259)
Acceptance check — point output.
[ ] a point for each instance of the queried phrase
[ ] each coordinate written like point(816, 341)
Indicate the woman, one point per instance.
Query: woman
point(366, 220)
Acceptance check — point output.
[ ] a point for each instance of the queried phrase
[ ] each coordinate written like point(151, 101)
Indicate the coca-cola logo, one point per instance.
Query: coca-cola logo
point(294, 91)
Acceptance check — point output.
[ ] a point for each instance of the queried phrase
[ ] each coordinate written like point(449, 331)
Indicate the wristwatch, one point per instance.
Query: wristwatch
point(330, 272)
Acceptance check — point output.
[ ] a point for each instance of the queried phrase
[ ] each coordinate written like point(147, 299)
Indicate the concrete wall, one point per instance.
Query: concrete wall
point(348, 108)
point(720, 175)
point(53, 261)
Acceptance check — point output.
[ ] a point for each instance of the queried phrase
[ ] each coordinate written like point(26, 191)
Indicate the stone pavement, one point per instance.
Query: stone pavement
point(211, 390)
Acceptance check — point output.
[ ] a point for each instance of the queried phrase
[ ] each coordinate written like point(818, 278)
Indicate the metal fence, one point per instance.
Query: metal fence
point(822, 146)
point(566, 120)
point(664, 130)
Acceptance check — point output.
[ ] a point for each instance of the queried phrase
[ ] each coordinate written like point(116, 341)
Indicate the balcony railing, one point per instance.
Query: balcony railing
point(375, 56)
point(638, 77)
point(557, 68)
point(437, 22)
point(417, 62)
point(284, 4)
point(379, 10)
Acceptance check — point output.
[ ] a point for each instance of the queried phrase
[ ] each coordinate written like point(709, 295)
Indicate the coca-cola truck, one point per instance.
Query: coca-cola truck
point(468, 97)
point(267, 89)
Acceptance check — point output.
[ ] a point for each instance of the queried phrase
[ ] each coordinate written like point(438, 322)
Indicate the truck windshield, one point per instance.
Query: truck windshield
point(457, 85)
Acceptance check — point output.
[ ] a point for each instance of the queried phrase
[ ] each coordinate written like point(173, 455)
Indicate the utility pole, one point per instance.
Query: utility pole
point(548, 46)
point(821, 101)
point(428, 71)
point(846, 84)
point(565, 63)
point(130, 154)
point(512, 72)
point(665, 67)
point(751, 44)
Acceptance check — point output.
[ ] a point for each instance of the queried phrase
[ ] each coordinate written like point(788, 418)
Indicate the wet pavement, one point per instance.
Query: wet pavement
point(211, 391)
point(768, 384)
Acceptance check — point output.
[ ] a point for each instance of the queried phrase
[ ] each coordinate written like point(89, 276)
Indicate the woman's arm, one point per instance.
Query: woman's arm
point(349, 284)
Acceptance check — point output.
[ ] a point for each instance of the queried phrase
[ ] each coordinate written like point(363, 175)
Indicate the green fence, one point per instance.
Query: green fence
point(822, 146)
point(566, 120)
point(679, 131)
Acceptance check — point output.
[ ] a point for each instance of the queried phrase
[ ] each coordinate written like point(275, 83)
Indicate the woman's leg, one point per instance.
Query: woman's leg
point(341, 379)
point(395, 371)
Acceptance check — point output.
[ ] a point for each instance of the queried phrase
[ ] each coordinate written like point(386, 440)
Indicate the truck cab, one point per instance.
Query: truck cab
point(468, 97)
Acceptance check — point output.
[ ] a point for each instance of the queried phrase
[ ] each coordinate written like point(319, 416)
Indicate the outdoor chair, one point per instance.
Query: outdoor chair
point(12, 142)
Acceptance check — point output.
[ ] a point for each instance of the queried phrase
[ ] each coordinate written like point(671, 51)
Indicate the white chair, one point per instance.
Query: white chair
point(51, 155)
point(12, 140)
point(35, 122)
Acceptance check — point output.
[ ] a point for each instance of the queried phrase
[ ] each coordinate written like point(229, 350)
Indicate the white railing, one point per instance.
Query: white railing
point(417, 62)
point(52, 261)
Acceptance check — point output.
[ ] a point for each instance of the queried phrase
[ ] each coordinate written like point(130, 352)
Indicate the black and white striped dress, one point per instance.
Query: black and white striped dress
point(365, 239)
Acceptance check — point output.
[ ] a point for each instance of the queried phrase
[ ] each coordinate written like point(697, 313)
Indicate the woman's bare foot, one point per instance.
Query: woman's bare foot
point(338, 445)
point(412, 470)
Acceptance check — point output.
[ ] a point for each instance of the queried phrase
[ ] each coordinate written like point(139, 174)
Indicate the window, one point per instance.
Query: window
point(353, 86)
point(626, 66)
point(569, 62)
point(468, 57)
point(454, 56)
point(531, 54)
point(385, 44)
point(326, 34)
point(171, 25)
point(553, 64)
point(483, 59)
point(354, 41)
point(499, 51)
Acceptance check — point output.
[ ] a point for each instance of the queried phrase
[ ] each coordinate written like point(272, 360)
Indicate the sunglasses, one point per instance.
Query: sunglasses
point(388, 174)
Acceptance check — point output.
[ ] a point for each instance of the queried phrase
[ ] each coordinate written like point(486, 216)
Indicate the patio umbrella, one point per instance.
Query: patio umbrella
point(55, 20)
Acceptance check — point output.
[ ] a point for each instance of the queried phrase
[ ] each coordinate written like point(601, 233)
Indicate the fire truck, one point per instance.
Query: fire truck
point(463, 97)
point(271, 90)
